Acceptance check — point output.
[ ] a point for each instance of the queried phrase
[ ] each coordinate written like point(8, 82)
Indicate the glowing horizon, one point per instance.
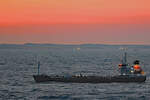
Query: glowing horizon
point(75, 21)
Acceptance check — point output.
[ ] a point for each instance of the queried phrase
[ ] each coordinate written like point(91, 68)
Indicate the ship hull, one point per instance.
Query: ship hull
point(90, 79)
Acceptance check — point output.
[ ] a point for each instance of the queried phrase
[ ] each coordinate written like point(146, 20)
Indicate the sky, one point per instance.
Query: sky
point(75, 21)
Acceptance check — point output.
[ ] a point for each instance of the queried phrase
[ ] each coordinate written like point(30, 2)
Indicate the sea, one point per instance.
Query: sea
point(18, 64)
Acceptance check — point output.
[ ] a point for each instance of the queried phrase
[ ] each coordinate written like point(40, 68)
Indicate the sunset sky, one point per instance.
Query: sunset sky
point(75, 21)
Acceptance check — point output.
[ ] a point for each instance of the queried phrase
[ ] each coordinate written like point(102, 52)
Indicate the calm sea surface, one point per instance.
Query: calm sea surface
point(19, 63)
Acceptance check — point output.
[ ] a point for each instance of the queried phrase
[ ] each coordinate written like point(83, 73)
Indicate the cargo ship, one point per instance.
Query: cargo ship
point(127, 74)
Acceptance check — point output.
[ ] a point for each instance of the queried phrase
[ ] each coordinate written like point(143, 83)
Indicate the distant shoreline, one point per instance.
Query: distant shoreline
point(90, 44)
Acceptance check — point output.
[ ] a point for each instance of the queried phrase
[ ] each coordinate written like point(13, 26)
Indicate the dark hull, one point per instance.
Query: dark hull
point(90, 79)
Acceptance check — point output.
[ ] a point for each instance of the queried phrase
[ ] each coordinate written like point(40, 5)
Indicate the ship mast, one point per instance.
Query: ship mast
point(124, 69)
point(38, 67)
point(124, 61)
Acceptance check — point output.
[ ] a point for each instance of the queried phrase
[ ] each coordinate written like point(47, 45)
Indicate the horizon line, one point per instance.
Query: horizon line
point(72, 44)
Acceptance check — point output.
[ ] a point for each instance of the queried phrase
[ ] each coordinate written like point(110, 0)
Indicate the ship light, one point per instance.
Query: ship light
point(132, 71)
